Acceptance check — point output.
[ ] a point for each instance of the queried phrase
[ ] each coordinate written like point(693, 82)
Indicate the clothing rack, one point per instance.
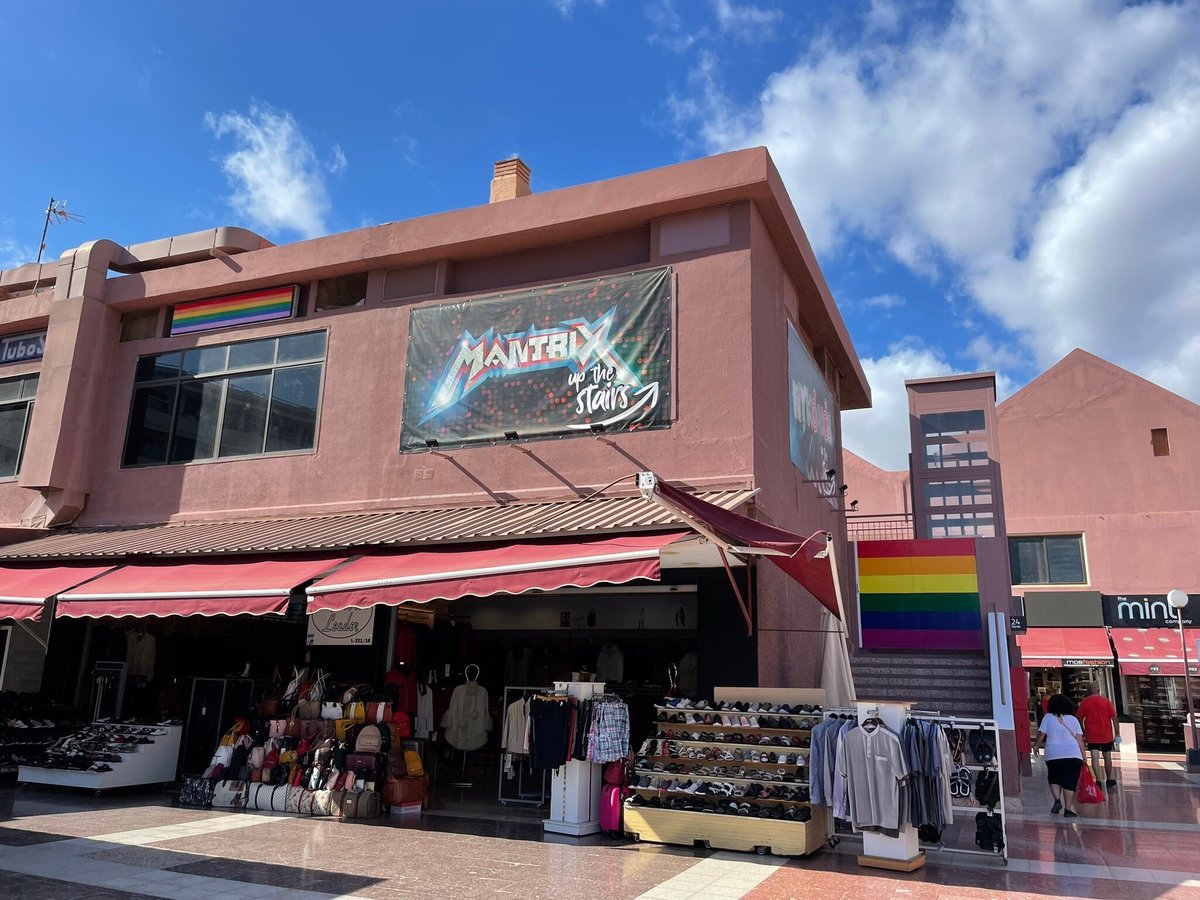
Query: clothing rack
point(967, 724)
point(528, 797)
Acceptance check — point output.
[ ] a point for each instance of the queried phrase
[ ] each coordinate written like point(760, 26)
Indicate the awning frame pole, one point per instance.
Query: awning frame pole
point(737, 592)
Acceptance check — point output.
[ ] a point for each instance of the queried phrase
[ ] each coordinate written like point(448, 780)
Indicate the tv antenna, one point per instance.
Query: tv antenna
point(56, 211)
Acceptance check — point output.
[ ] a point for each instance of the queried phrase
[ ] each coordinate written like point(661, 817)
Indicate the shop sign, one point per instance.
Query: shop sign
point(585, 357)
point(15, 348)
point(1017, 624)
point(811, 416)
point(344, 628)
point(1146, 611)
point(1087, 663)
point(1153, 669)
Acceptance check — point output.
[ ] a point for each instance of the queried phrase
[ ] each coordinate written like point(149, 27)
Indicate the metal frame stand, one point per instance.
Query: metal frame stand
point(530, 798)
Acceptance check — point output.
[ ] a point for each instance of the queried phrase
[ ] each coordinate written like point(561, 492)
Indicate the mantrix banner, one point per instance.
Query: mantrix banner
point(547, 362)
point(811, 416)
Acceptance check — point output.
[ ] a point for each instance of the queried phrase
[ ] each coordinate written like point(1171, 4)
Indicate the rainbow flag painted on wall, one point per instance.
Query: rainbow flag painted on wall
point(919, 595)
point(239, 309)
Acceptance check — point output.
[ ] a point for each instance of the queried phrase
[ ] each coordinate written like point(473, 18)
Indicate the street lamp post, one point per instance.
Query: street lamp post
point(1178, 600)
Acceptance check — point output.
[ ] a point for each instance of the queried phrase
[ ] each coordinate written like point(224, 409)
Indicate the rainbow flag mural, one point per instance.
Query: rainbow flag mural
point(919, 595)
point(239, 309)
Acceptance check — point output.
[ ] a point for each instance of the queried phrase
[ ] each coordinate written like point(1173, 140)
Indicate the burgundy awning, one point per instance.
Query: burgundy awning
point(796, 555)
point(451, 572)
point(25, 589)
point(228, 587)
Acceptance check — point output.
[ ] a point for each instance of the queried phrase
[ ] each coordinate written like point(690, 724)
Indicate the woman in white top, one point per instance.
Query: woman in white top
point(1062, 736)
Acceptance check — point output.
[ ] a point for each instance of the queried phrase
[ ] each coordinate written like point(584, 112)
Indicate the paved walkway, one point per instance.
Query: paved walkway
point(1144, 843)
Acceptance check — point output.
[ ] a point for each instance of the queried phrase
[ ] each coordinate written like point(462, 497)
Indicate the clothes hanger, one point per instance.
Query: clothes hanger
point(467, 673)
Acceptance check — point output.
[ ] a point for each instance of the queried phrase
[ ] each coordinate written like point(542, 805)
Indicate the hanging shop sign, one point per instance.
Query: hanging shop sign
point(239, 309)
point(811, 416)
point(344, 628)
point(589, 356)
point(1088, 663)
point(1147, 611)
point(16, 348)
point(919, 595)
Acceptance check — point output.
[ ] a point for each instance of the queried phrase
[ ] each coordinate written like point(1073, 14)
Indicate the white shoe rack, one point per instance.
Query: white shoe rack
point(154, 763)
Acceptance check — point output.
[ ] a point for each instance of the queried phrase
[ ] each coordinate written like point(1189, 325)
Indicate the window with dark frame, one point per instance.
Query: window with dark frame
point(1160, 442)
point(341, 292)
point(16, 409)
point(1050, 559)
point(234, 400)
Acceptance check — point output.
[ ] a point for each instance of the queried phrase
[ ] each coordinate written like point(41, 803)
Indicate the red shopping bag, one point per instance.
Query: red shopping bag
point(1089, 791)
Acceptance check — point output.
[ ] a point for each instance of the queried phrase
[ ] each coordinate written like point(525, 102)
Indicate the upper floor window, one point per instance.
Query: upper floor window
point(244, 399)
point(1054, 559)
point(16, 409)
point(945, 424)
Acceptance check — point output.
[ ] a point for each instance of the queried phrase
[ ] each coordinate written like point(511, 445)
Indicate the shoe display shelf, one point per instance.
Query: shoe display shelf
point(152, 763)
point(730, 830)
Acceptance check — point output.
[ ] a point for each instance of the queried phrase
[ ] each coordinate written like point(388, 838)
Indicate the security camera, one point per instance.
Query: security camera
point(842, 489)
point(854, 505)
point(830, 473)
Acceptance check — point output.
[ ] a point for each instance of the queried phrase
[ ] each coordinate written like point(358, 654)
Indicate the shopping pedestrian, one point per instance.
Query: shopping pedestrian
point(1062, 736)
point(1100, 731)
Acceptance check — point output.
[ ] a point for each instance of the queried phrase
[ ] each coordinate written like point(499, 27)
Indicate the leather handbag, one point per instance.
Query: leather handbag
point(361, 805)
point(322, 803)
point(412, 764)
point(257, 755)
point(331, 710)
point(292, 804)
point(310, 729)
point(278, 728)
point(378, 712)
point(337, 802)
point(357, 710)
point(342, 728)
point(230, 795)
point(405, 790)
point(369, 739)
point(309, 709)
point(268, 708)
point(293, 725)
point(365, 765)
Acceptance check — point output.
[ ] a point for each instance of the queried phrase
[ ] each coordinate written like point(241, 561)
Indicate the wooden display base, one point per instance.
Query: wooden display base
point(728, 832)
point(894, 865)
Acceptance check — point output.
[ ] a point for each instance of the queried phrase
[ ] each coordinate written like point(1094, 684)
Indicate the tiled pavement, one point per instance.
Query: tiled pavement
point(1144, 843)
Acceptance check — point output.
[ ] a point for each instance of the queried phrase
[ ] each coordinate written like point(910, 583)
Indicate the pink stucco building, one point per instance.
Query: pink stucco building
point(214, 398)
point(1102, 500)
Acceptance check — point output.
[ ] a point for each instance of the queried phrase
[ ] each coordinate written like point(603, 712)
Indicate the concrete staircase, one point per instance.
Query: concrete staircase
point(951, 684)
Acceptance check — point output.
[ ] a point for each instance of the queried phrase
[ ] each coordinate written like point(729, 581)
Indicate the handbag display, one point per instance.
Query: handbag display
point(331, 710)
point(197, 792)
point(365, 765)
point(309, 709)
point(1088, 791)
point(356, 710)
point(368, 739)
point(229, 795)
point(279, 798)
point(412, 763)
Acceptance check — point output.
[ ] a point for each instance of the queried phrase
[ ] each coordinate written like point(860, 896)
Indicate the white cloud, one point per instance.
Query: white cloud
point(994, 356)
point(13, 253)
point(277, 180)
point(338, 163)
point(1039, 153)
point(566, 7)
point(668, 28)
point(746, 22)
point(880, 434)
point(883, 301)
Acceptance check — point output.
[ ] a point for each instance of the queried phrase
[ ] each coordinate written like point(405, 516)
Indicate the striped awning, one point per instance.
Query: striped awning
point(399, 528)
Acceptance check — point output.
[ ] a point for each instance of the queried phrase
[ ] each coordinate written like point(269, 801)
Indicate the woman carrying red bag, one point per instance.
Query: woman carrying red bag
point(1062, 736)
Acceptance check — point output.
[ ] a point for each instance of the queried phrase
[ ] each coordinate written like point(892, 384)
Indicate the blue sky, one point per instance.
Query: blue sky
point(988, 184)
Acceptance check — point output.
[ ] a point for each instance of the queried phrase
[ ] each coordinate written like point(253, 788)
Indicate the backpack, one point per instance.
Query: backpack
point(368, 740)
point(989, 832)
point(987, 788)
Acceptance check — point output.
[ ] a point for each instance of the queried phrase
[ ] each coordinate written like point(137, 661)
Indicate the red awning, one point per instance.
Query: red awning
point(1052, 648)
point(211, 588)
point(448, 573)
point(25, 589)
point(1154, 651)
point(793, 553)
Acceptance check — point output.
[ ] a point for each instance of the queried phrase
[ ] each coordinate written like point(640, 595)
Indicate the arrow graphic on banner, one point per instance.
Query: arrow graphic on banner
point(646, 399)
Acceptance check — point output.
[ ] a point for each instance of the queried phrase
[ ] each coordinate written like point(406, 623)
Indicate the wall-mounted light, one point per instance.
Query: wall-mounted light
point(431, 443)
point(597, 428)
point(511, 435)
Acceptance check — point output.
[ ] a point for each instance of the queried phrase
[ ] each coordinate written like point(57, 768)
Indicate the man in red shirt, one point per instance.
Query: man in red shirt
point(1099, 719)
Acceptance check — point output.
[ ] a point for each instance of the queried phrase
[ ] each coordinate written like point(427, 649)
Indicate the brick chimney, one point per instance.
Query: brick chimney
point(511, 180)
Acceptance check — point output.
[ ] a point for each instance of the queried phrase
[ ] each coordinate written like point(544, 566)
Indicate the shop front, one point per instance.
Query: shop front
point(1064, 661)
